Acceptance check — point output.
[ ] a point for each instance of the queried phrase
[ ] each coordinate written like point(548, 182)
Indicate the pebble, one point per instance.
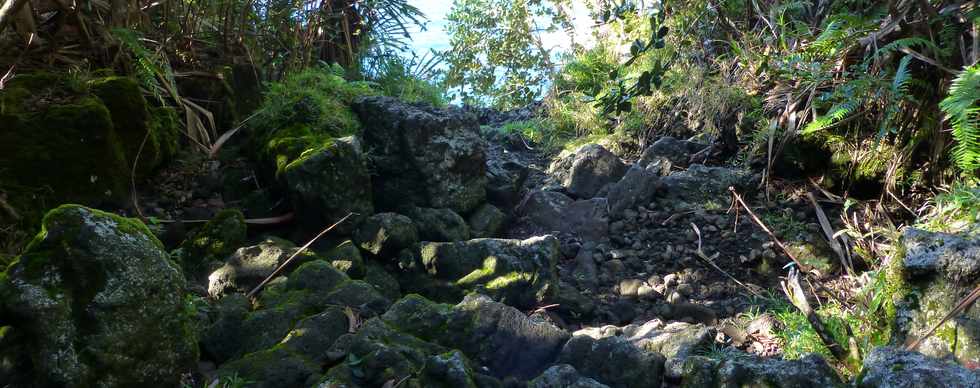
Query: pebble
point(647, 291)
point(670, 280)
point(614, 266)
point(629, 287)
point(685, 289)
point(675, 298)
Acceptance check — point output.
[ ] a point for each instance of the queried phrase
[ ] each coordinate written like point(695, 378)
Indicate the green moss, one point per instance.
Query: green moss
point(214, 241)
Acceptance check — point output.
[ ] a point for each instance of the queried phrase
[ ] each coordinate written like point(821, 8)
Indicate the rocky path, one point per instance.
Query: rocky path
point(472, 261)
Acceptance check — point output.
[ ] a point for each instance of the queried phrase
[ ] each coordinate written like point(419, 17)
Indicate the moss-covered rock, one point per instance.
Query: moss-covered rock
point(99, 303)
point(439, 224)
point(386, 234)
point(213, 242)
point(384, 282)
point(330, 182)
point(516, 272)
point(486, 221)
point(276, 367)
point(248, 266)
point(134, 120)
point(745, 370)
point(935, 271)
point(346, 258)
point(613, 361)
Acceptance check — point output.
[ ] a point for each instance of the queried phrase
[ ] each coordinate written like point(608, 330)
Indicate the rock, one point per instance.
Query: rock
point(747, 370)
point(677, 152)
point(379, 353)
point(699, 185)
point(422, 155)
point(346, 258)
point(486, 221)
point(314, 335)
point(888, 367)
point(585, 272)
point(592, 168)
point(248, 266)
point(545, 209)
point(439, 225)
point(556, 212)
point(564, 376)
point(515, 272)
point(384, 234)
point(636, 188)
point(330, 182)
point(676, 341)
point(99, 303)
point(501, 338)
point(272, 368)
point(613, 361)
point(505, 178)
point(385, 283)
point(214, 241)
point(936, 272)
point(311, 289)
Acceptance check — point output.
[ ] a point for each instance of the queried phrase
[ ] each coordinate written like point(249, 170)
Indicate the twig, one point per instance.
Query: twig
point(293, 256)
point(251, 221)
point(6, 207)
point(962, 305)
point(803, 267)
point(132, 176)
point(793, 290)
point(700, 254)
point(828, 231)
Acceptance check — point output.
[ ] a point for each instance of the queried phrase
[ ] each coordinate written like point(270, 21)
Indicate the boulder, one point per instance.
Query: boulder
point(385, 234)
point(272, 368)
point(564, 376)
point(888, 367)
point(486, 221)
point(699, 185)
point(745, 370)
point(506, 177)
point(502, 339)
point(592, 167)
point(677, 152)
point(636, 188)
point(422, 155)
point(516, 272)
point(380, 354)
point(99, 303)
point(935, 273)
point(248, 266)
point(213, 242)
point(551, 211)
point(439, 224)
point(613, 361)
point(346, 258)
point(330, 182)
point(676, 341)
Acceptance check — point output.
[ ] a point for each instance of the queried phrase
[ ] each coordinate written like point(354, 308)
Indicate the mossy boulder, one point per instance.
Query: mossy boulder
point(516, 272)
point(935, 271)
point(745, 370)
point(613, 361)
point(134, 120)
point(275, 367)
point(439, 224)
point(213, 242)
point(423, 156)
point(346, 258)
point(563, 375)
point(385, 234)
point(99, 303)
point(889, 367)
point(486, 221)
point(330, 182)
point(248, 266)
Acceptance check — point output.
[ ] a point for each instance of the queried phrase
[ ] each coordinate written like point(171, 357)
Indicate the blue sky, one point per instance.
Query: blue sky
point(435, 36)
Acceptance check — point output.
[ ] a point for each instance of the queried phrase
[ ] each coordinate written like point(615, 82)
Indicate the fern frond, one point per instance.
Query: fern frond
point(963, 112)
point(835, 115)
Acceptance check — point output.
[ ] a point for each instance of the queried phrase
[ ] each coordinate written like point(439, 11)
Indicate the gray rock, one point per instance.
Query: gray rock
point(248, 266)
point(505, 179)
point(346, 258)
point(937, 271)
point(272, 368)
point(331, 183)
point(613, 361)
point(636, 188)
point(384, 234)
point(486, 221)
point(676, 341)
point(439, 224)
point(563, 376)
point(516, 272)
point(811, 371)
point(552, 211)
point(592, 167)
point(585, 272)
point(314, 335)
point(888, 367)
point(98, 302)
point(700, 184)
point(677, 152)
point(422, 155)
point(501, 338)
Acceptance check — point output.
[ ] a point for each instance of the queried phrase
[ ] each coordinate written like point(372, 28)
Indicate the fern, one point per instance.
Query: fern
point(836, 114)
point(963, 112)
